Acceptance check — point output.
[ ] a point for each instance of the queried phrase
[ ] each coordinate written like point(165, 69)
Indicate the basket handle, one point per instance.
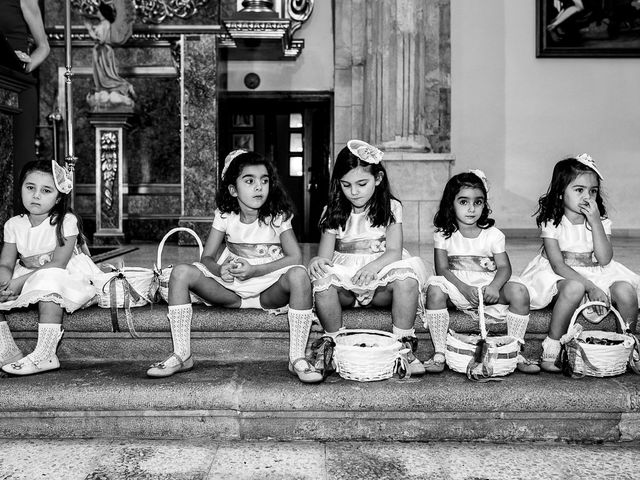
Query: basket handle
point(167, 235)
point(482, 320)
point(611, 308)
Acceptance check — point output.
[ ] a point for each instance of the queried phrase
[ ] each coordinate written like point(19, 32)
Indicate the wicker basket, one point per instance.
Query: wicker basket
point(481, 357)
point(368, 355)
point(596, 360)
point(163, 274)
point(124, 287)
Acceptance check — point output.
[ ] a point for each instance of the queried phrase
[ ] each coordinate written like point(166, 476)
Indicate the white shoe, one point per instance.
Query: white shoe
point(26, 366)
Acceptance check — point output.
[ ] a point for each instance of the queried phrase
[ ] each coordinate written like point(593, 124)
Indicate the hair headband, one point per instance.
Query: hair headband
point(364, 151)
point(62, 177)
point(480, 174)
point(586, 159)
point(229, 158)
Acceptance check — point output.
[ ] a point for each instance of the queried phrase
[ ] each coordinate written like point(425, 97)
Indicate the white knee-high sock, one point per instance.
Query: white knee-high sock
point(299, 326)
point(180, 320)
point(438, 323)
point(8, 347)
point(517, 326)
point(49, 334)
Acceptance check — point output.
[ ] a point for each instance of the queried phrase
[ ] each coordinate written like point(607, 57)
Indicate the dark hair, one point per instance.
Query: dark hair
point(278, 202)
point(60, 208)
point(445, 218)
point(108, 11)
point(551, 204)
point(339, 207)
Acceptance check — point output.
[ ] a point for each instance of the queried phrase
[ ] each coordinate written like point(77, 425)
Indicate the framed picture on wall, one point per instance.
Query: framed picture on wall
point(243, 140)
point(588, 28)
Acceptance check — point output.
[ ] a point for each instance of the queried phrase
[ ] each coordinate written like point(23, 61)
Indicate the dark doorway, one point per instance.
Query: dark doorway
point(294, 131)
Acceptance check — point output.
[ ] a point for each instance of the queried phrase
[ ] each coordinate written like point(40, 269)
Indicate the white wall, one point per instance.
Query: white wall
point(514, 115)
point(312, 71)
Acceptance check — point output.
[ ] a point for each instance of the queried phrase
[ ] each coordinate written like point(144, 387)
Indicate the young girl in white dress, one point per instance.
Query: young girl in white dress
point(259, 267)
point(469, 252)
point(360, 259)
point(576, 261)
point(42, 263)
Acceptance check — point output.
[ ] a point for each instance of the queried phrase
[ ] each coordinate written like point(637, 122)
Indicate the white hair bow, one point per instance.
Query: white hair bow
point(364, 151)
point(585, 159)
point(62, 177)
point(480, 174)
point(230, 157)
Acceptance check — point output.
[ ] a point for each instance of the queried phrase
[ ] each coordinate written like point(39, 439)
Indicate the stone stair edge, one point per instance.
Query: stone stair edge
point(152, 318)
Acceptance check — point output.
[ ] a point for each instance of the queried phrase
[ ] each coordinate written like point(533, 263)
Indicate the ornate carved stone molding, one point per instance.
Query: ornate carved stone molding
point(149, 11)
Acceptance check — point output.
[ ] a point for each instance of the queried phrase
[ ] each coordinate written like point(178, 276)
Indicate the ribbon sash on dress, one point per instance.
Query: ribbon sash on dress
point(472, 263)
point(580, 259)
point(36, 261)
point(256, 250)
point(362, 247)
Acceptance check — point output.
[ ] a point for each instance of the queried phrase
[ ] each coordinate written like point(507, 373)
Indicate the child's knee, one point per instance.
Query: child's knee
point(180, 273)
point(517, 294)
point(623, 292)
point(572, 290)
point(436, 298)
point(407, 285)
point(298, 278)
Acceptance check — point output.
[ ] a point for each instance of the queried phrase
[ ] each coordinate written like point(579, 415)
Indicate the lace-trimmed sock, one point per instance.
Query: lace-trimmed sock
point(49, 334)
point(437, 321)
point(180, 320)
point(9, 351)
point(299, 326)
point(517, 325)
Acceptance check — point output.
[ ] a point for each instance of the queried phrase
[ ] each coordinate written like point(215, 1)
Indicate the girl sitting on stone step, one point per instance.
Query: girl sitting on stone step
point(469, 252)
point(259, 267)
point(42, 262)
point(360, 260)
point(576, 261)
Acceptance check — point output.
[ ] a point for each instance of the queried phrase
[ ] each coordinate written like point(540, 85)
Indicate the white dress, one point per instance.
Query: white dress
point(472, 261)
point(576, 244)
point(68, 287)
point(257, 243)
point(358, 244)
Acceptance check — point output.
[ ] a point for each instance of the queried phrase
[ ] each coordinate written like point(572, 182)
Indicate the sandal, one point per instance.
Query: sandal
point(306, 374)
point(416, 368)
point(527, 366)
point(160, 369)
point(435, 364)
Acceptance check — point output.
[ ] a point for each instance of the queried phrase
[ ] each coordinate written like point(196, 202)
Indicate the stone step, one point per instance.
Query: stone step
point(261, 400)
point(228, 335)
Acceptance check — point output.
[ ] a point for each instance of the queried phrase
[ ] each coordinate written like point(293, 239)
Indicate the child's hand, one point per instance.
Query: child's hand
point(318, 267)
point(364, 276)
point(225, 274)
point(241, 269)
point(471, 294)
point(7, 295)
point(490, 294)
point(596, 294)
point(589, 208)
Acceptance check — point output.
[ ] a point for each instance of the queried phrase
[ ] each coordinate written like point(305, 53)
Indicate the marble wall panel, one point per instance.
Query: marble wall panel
point(200, 136)
point(169, 205)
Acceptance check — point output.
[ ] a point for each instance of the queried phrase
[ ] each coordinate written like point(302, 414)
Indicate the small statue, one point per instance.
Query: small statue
point(110, 24)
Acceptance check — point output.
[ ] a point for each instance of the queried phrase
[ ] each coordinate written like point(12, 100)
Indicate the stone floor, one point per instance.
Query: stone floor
point(204, 459)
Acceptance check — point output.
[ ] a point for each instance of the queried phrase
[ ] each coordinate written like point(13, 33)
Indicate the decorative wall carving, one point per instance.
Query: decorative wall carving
point(108, 164)
point(149, 11)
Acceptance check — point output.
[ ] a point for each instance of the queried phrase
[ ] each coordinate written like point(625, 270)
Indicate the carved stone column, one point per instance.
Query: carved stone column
point(200, 140)
point(392, 60)
point(111, 167)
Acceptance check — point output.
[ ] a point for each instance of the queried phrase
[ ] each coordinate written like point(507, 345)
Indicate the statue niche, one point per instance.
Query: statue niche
point(110, 24)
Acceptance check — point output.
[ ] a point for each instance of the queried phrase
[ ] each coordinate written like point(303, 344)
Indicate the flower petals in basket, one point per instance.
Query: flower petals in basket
point(369, 355)
point(597, 353)
point(162, 274)
point(124, 287)
point(479, 357)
